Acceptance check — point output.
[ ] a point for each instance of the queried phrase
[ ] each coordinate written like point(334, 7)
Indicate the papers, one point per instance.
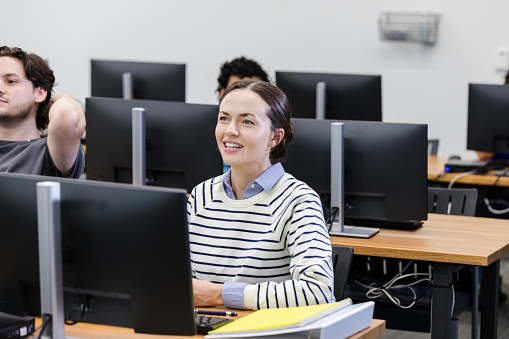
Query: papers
point(341, 318)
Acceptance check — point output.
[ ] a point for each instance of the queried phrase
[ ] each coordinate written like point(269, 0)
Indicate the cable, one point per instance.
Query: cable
point(330, 218)
point(492, 210)
point(47, 320)
point(377, 289)
point(459, 176)
point(439, 175)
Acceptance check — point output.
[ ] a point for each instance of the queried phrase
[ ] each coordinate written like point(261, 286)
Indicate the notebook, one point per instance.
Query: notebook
point(281, 318)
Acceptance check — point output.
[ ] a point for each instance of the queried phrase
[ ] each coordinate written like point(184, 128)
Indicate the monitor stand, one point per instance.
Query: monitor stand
point(127, 85)
point(353, 231)
point(337, 188)
point(321, 100)
point(139, 146)
point(50, 260)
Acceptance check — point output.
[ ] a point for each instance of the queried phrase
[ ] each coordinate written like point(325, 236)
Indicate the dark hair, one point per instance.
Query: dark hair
point(39, 73)
point(506, 78)
point(241, 67)
point(279, 111)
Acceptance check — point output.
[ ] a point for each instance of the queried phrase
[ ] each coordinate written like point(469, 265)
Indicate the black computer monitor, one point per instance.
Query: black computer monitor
point(181, 148)
point(125, 253)
point(147, 81)
point(385, 169)
point(488, 118)
point(348, 96)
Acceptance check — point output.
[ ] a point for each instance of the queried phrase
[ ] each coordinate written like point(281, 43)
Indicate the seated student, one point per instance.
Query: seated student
point(27, 109)
point(257, 235)
point(238, 69)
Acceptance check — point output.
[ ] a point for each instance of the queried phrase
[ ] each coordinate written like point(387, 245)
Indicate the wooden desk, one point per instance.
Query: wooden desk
point(84, 330)
point(436, 173)
point(446, 241)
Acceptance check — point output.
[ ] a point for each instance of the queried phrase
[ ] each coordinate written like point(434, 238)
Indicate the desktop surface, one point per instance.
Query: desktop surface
point(85, 330)
point(436, 173)
point(442, 238)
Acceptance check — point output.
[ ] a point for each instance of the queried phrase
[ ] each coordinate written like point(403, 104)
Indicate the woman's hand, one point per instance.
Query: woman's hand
point(207, 293)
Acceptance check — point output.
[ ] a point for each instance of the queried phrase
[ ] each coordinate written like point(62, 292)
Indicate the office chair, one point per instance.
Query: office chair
point(341, 261)
point(433, 146)
point(458, 201)
point(455, 201)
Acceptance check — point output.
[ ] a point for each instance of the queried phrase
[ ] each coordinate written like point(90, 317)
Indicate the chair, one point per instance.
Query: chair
point(455, 201)
point(341, 261)
point(433, 146)
point(458, 201)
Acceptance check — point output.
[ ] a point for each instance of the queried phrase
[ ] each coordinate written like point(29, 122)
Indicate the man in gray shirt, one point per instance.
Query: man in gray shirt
point(27, 110)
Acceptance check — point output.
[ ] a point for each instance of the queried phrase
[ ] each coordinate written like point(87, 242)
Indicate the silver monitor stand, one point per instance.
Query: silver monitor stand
point(50, 259)
point(321, 100)
point(127, 85)
point(337, 188)
point(139, 150)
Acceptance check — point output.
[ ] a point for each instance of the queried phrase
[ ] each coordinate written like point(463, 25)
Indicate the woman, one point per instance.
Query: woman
point(257, 235)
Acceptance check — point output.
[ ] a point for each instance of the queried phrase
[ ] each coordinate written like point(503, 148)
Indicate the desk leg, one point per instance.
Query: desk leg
point(490, 286)
point(441, 304)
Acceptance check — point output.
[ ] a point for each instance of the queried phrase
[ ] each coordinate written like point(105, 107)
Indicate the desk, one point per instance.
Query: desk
point(447, 240)
point(84, 330)
point(436, 169)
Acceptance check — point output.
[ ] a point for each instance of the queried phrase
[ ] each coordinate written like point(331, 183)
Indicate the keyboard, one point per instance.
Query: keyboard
point(384, 223)
point(205, 323)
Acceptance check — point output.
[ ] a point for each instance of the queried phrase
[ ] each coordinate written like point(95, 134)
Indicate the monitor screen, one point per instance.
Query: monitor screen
point(149, 81)
point(385, 168)
point(348, 96)
point(125, 253)
point(181, 148)
point(488, 118)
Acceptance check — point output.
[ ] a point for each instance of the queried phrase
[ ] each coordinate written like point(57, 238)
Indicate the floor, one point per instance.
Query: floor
point(465, 319)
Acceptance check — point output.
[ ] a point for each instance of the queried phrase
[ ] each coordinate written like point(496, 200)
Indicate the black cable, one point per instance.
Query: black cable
point(47, 319)
point(82, 307)
point(70, 321)
point(330, 218)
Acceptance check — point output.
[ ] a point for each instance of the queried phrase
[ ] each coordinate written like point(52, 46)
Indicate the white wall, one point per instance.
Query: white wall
point(421, 84)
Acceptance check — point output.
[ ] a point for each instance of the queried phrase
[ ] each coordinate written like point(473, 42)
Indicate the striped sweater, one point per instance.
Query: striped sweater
point(276, 242)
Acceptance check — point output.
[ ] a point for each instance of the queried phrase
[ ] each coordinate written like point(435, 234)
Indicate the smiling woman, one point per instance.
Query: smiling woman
point(257, 235)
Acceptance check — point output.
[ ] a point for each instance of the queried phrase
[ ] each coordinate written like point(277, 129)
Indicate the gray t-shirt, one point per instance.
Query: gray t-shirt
point(32, 157)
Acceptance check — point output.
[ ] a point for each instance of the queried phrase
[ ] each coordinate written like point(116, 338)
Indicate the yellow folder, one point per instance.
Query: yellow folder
point(271, 318)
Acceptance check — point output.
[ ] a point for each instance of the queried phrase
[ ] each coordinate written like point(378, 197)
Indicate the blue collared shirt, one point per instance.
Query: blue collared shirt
point(233, 292)
point(264, 182)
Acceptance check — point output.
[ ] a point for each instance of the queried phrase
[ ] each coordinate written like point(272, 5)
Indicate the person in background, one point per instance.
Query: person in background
point(257, 235)
point(27, 111)
point(238, 69)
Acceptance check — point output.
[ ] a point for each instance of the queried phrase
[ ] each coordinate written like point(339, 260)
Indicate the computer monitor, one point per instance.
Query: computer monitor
point(347, 96)
point(138, 80)
point(488, 118)
point(181, 148)
point(125, 253)
point(385, 169)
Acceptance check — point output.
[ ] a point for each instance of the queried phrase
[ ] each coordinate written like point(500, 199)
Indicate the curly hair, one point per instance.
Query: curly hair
point(241, 67)
point(40, 74)
point(279, 111)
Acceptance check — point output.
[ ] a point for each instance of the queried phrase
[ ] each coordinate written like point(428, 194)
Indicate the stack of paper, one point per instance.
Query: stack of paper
point(336, 320)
